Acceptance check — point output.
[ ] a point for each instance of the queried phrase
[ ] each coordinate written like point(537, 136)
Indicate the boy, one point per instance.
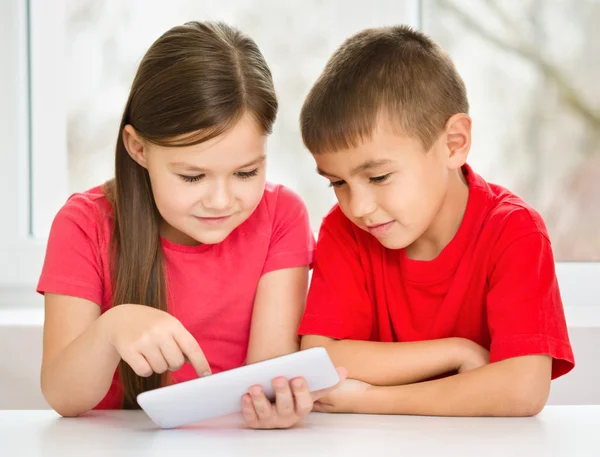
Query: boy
point(423, 267)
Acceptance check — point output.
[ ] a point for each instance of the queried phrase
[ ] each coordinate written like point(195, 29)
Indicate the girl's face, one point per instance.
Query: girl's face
point(203, 192)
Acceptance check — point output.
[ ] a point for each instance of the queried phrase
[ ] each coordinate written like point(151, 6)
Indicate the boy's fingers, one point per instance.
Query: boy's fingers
point(342, 373)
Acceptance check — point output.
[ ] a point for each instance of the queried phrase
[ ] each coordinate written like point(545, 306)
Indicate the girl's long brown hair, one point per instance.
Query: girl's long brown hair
point(192, 85)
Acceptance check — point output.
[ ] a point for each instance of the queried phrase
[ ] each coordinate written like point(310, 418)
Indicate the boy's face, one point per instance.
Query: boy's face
point(389, 186)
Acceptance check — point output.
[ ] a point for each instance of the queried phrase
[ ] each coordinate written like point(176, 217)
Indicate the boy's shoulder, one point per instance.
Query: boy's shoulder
point(500, 216)
point(509, 217)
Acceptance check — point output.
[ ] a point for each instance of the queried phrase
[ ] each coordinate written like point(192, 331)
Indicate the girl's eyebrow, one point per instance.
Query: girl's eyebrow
point(190, 167)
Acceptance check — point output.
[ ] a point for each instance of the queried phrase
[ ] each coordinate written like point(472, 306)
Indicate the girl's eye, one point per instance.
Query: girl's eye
point(378, 179)
point(336, 183)
point(187, 178)
point(246, 174)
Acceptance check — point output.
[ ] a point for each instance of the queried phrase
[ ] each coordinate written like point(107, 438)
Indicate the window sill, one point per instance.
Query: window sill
point(20, 307)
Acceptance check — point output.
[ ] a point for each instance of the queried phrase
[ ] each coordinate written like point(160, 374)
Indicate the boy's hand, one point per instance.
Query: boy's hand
point(474, 356)
point(344, 399)
point(293, 402)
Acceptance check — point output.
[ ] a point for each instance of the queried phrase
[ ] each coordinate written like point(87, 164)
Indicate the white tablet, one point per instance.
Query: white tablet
point(221, 393)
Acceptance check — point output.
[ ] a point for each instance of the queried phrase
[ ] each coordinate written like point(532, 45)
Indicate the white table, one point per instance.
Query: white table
point(565, 431)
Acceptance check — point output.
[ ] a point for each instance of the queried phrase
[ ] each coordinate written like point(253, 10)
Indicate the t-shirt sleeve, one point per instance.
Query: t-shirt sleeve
point(292, 241)
point(72, 265)
point(525, 310)
point(338, 305)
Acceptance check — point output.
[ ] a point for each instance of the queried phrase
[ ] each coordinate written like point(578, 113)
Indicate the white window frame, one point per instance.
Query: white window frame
point(21, 255)
point(34, 162)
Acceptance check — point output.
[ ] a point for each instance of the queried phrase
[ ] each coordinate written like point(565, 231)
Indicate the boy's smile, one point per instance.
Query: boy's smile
point(404, 196)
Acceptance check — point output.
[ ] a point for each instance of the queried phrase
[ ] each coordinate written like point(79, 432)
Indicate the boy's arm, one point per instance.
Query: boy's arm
point(513, 387)
point(391, 364)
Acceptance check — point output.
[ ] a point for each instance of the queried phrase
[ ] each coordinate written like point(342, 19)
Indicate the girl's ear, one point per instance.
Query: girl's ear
point(135, 145)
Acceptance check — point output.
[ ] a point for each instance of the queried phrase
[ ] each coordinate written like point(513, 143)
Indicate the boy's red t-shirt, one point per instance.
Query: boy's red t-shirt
point(494, 283)
point(211, 287)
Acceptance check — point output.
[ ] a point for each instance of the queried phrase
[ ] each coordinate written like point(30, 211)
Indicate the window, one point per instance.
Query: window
point(531, 69)
point(20, 254)
point(104, 42)
point(70, 64)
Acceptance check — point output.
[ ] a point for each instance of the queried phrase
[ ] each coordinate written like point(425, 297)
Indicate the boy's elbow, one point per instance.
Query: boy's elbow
point(530, 404)
point(531, 393)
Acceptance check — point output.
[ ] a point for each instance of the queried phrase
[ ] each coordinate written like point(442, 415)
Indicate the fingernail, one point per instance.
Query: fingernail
point(298, 383)
point(206, 373)
point(256, 391)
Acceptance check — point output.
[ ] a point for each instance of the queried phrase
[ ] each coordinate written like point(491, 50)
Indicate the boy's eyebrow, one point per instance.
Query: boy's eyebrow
point(325, 173)
point(189, 167)
point(368, 165)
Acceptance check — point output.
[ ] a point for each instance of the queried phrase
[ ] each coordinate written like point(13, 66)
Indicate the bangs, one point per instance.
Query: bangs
point(392, 74)
point(198, 135)
point(349, 122)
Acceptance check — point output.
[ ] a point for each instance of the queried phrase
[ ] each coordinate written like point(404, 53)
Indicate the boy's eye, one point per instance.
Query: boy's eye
point(246, 174)
point(336, 183)
point(187, 178)
point(377, 179)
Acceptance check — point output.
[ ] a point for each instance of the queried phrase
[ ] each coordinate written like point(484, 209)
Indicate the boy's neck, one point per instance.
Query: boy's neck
point(446, 223)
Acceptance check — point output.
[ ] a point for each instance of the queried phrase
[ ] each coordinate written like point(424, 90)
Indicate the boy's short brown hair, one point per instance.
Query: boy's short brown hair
point(395, 72)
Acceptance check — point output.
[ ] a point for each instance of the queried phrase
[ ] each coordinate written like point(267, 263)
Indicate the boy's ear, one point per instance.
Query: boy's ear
point(135, 145)
point(458, 139)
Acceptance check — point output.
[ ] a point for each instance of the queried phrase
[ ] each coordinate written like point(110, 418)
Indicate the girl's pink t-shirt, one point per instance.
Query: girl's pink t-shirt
point(211, 287)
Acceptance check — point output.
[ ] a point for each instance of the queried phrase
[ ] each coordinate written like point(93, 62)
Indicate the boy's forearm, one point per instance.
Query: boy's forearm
point(513, 387)
point(392, 364)
point(79, 376)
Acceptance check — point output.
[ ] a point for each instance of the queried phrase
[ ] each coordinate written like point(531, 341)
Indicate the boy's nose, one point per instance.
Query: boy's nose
point(362, 204)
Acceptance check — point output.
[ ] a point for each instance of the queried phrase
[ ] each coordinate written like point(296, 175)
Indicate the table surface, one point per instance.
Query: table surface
point(565, 431)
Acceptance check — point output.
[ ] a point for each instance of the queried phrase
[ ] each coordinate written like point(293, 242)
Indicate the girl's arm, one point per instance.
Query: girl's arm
point(278, 307)
point(78, 362)
point(82, 349)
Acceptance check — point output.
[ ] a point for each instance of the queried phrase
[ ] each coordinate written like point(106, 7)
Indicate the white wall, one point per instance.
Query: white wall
point(21, 342)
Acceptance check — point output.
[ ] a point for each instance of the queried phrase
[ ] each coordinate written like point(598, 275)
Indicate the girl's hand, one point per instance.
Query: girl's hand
point(151, 340)
point(293, 402)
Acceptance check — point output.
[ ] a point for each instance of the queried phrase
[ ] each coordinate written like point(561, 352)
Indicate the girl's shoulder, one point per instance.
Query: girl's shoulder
point(278, 199)
point(90, 211)
point(280, 211)
point(91, 203)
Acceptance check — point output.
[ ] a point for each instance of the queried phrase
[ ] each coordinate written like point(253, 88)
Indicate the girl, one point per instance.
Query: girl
point(187, 255)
